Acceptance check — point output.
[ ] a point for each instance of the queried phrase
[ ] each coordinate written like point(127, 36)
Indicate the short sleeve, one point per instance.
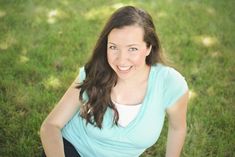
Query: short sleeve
point(82, 74)
point(175, 86)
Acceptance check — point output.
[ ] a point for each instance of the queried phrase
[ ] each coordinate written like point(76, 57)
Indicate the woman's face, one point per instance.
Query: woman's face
point(127, 51)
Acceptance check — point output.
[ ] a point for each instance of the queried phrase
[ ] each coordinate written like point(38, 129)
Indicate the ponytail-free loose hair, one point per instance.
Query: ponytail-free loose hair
point(100, 77)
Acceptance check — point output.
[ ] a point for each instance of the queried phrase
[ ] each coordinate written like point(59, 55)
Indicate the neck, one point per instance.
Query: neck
point(138, 78)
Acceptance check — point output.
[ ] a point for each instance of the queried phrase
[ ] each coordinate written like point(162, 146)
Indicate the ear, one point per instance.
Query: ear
point(149, 50)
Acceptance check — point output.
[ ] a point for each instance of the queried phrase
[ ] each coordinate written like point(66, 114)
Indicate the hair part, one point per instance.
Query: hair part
point(100, 77)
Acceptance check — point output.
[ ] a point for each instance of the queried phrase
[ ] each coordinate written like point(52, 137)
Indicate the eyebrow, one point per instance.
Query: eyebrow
point(111, 43)
point(132, 45)
point(127, 45)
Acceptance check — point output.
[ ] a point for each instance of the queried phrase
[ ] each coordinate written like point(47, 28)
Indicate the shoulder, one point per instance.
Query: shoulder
point(165, 72)
point(173, 83)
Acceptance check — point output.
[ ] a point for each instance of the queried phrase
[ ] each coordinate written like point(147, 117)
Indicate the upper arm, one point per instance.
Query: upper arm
point(65, 108)
point(175, 98)
point(177, 112)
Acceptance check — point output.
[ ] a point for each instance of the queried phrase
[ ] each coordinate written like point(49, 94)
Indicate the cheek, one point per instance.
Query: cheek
point(110, 59)
point(140, 59)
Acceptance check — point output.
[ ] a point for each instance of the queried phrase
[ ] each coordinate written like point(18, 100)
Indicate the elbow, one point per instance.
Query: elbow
point(48, 128)
point(182, 130)
point(179, 128)
point(43, 129)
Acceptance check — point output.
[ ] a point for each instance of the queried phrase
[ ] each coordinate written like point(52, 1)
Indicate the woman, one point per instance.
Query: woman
point(117, 104)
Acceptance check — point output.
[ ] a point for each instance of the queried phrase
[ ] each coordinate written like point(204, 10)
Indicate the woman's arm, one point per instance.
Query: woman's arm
point(50, 131)
point(177, 127)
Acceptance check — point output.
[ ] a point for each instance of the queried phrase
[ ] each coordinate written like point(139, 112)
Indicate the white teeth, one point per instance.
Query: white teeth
point(124, 68)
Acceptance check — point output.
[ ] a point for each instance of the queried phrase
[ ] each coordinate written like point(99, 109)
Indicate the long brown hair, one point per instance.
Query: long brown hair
point(100, 78)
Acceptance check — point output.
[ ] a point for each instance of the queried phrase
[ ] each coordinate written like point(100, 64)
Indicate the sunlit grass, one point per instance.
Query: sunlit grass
point(43, 44)
point(206, 41)
point(52, 82)
point(2, 13)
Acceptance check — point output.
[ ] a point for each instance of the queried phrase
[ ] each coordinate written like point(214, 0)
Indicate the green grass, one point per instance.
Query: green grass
point(43, 43)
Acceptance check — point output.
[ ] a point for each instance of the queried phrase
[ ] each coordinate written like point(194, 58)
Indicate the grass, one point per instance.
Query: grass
point(43, 43)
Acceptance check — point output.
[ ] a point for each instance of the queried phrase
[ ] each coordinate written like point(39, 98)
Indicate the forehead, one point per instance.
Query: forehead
point(126, 35)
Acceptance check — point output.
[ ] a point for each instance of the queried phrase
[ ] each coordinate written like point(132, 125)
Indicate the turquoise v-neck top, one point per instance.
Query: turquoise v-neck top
point(165, 87)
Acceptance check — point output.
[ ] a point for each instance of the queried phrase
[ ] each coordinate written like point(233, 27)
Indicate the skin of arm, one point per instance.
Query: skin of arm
point(50, 131)
point(177, 126)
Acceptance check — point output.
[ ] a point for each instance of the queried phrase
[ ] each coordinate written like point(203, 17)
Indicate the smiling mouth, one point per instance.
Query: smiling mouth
point(124, 68)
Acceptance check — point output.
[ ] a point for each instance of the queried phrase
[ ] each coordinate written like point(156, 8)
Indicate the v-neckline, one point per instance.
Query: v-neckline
point(144, 104)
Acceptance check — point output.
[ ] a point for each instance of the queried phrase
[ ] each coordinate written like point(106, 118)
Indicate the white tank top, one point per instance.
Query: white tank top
point(127, 113)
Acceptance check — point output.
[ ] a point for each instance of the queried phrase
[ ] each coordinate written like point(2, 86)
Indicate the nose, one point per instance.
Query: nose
point(122, 56)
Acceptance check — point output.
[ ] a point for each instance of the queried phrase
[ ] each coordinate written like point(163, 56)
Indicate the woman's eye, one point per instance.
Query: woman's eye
point(112, 47)
point(132, 49)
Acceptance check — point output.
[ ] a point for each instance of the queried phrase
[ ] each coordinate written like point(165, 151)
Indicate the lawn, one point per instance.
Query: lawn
point(43, 44)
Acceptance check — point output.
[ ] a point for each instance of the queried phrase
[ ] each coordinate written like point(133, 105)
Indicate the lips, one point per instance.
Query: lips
point(124, 68)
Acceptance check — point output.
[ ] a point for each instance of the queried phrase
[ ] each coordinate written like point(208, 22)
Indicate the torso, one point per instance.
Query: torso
point(142, 132)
